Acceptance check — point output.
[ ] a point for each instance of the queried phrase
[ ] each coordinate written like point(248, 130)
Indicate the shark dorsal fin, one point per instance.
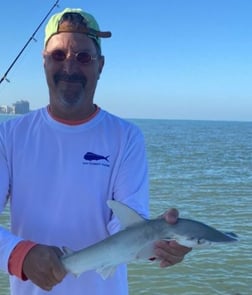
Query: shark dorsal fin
point(126, 215)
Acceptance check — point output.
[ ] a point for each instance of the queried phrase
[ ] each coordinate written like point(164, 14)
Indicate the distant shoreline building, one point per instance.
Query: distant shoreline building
point(19, 107)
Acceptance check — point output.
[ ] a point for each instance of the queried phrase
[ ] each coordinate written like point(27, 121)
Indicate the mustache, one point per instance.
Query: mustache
point(70, 78)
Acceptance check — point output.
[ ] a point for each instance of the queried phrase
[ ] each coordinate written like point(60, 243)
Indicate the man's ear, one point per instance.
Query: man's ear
point(43, 55)
point(101, 64)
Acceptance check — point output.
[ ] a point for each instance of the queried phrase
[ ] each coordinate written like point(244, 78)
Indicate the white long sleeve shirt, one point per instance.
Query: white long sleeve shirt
point(58, 178)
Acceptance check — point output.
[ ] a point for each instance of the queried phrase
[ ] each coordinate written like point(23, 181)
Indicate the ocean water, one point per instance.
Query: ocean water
point(203, 168)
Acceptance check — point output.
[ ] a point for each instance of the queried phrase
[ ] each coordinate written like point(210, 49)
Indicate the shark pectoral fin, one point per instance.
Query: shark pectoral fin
point(106, 272)
point(126, 215)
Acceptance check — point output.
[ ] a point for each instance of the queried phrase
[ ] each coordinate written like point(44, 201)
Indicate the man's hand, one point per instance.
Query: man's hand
point(43, 266)
point(170, 252)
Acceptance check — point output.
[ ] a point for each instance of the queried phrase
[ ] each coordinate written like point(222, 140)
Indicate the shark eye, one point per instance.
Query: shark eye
point(200, 241)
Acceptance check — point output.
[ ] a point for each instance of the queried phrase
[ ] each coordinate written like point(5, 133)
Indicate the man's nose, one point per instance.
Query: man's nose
point(70, 65)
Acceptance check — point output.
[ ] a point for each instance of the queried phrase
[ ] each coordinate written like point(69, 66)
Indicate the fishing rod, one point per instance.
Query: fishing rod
point(27, 43)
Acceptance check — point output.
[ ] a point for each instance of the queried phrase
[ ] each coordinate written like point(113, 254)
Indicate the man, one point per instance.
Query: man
point(60, 164)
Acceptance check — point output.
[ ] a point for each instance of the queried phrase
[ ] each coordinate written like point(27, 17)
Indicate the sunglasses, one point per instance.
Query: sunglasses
point(84, 58)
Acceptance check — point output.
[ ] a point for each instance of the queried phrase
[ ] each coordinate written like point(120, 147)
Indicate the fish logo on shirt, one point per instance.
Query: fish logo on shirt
point(94, 157)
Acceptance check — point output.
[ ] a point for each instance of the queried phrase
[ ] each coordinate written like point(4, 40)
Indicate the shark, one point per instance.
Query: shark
point(136, 240)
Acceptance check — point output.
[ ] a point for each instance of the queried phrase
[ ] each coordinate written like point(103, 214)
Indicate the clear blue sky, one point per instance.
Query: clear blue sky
point(173, 59)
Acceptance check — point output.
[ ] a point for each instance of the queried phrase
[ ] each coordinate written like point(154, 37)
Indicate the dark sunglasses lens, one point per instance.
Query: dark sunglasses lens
point(84, 57)
point(58, 55)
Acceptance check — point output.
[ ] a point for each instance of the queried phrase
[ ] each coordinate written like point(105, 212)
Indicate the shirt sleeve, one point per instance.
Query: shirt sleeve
point(8, 241)
point(132, 184)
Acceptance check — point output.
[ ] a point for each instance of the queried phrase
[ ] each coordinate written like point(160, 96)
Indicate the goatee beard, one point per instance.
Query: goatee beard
point(71, 93)
point(70, 97)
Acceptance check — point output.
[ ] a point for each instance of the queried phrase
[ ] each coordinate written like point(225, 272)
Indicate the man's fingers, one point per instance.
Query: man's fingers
point(58, 271)
point(170, 253)
point(171, 215)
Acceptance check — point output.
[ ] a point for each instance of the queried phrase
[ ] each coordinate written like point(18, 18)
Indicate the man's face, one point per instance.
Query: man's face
point(71, 83)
